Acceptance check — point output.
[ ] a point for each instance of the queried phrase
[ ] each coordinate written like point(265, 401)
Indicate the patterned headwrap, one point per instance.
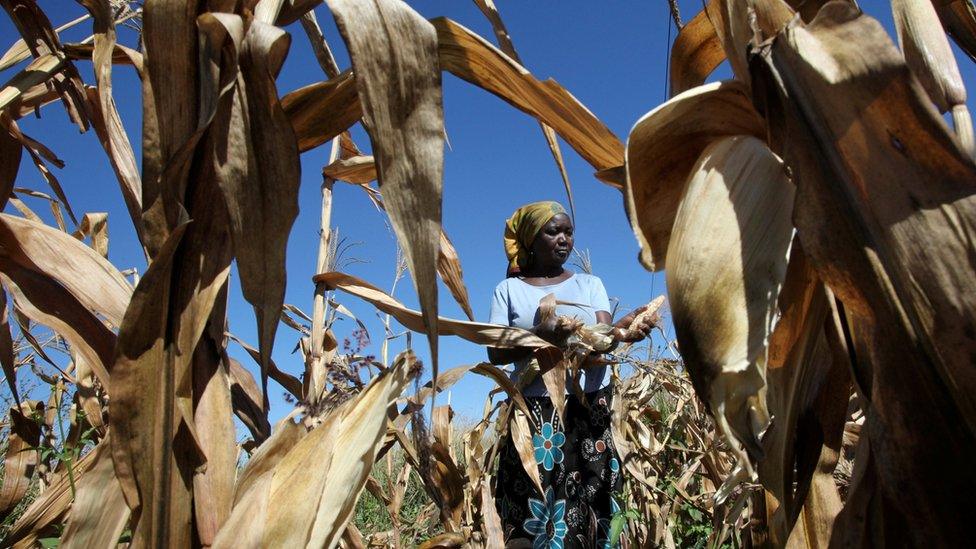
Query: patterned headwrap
point(521, 229)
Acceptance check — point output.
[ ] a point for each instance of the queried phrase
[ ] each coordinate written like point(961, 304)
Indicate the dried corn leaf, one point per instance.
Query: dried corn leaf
point(696, 52)
point(521, 437)
point(278, 502)
point(105, 119)
point(94, 281)
point(358, 170)
point(321, 111)
point(21, 455)
point(728, 258)
point(808, 391)
point(263, 204)
point(50, 507)
point(143, 416)
point(213, 487)
point(7, 359)
point(490, 11)
point(20, 51)
point(94, 226)
point(959, 19)
point(248, 401)
point(471, 58)
point(10, 155)
point(394, 55)
point(291, 383)
point(449, 267)
point(40, 298)
point(38, 72)
point(476, 332)
point(663, 147)
point(41, 40)
point(851, 102)
point(99, 513)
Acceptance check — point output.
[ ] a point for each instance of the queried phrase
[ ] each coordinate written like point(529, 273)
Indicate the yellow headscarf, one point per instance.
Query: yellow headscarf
point(521, 229)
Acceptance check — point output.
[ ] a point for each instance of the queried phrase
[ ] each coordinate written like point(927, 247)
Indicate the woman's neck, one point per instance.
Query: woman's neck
point(545, 274)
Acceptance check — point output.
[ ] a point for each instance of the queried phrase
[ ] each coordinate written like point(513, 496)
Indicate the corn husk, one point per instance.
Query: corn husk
point(928, 55)
point(728, 258)
point(663, 147)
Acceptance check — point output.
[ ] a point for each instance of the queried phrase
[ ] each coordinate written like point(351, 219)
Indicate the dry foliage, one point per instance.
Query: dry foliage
point(815, 214)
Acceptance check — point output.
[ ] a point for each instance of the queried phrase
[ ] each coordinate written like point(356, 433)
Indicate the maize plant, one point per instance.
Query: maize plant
point(814, 214)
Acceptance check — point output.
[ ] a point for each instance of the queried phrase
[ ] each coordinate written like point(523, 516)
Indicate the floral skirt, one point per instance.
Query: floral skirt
point(580, 474)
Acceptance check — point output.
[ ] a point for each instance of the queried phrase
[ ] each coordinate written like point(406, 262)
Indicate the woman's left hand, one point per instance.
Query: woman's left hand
point(625, 333)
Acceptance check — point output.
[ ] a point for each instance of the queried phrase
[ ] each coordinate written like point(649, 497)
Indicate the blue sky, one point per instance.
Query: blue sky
point(612, 58)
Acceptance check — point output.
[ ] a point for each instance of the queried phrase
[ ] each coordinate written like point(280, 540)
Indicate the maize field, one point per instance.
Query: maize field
point(814, 216)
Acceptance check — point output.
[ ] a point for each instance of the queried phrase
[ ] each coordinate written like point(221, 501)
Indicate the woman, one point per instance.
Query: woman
point(577, 461)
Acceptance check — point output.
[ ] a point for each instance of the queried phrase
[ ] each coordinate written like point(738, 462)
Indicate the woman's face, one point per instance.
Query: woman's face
point(554, 242)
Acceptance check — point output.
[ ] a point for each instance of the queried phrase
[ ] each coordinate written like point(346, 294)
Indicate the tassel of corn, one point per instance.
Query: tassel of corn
point(927, 53)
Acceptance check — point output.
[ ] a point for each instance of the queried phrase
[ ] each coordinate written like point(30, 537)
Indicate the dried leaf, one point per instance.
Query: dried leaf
point(263, 203)
point(808, 392)
point(248, 401)
point(105, 115)
point(10, 155)
point(89, 277)
point(728, 258)
point(399, 85)
point(99, 513)
point(861, 222)
point(959, 19)
point(696, 52)
point(521, 437)
point(490, 11)
point(471, 58)
point(302, 510)
point(50, 506)
point(482, 334)
point(94, 226)
point(663, 147)
point(21, 456)
point(321, 111)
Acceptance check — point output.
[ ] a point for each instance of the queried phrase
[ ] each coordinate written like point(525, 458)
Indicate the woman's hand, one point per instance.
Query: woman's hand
point(557, 329)
point(626, 331)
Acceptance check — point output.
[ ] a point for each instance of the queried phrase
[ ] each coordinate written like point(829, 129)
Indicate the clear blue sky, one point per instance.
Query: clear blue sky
point(610, 55)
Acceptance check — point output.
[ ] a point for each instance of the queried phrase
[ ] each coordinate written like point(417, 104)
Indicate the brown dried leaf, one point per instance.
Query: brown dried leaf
point(263, 204)
point(105, 115)
point(321, 111)
point(89, 277)
point(959, 19)
point(281, 503)
point(490, 11)
point(49, 508)
point(663, 147)
point(476, 332)
point(394, 55)
point(99, 513)
point(21, 456)
point(10, 155)
point(696, 52)
point(248, 401)
point(889, 239)
point(94, 226)
point(471, 58)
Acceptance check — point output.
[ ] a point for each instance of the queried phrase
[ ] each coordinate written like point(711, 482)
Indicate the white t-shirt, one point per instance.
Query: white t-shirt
point(516, 303)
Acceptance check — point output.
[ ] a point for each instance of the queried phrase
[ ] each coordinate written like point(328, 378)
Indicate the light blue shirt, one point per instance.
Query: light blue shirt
point(516, 303)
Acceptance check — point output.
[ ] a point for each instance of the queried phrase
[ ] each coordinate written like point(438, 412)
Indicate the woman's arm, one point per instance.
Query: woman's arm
point(554, 330)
